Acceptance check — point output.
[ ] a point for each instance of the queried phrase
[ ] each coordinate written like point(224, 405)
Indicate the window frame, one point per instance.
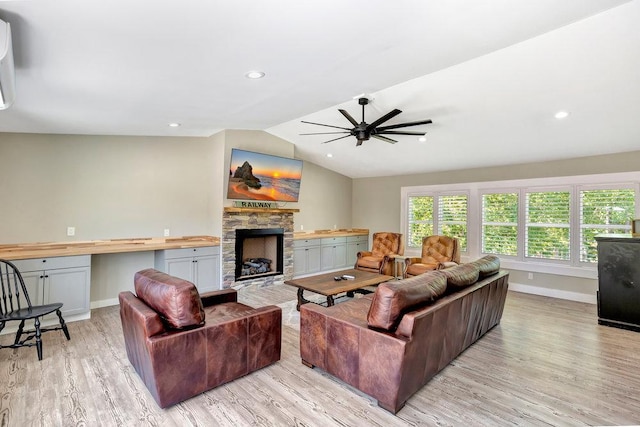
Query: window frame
point(475, 190)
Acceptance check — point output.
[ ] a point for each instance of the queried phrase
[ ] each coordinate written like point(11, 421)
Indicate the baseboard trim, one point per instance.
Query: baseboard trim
point(104, 303)
point(553, 293)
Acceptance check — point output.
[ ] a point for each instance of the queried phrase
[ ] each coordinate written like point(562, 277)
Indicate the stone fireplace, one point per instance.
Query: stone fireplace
point(257, 233)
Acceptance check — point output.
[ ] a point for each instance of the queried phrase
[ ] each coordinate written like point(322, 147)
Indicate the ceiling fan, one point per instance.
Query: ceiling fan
point(363, 131)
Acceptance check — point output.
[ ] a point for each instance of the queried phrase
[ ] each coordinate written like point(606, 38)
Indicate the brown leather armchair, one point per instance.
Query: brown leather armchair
point(182, 344)
point(378, 260)
point(438, 252)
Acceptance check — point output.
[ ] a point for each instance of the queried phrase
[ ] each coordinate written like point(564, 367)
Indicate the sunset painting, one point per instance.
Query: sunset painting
point(256, 176)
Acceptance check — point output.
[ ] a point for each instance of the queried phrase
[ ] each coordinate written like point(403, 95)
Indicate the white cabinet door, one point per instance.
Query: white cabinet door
point(68, 286)
point(206, 273)
point(299, 261)
point(313, 259)
point(180, 267)
point(33, 280)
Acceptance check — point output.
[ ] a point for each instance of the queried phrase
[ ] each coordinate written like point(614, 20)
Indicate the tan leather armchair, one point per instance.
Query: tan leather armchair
point(438, 252)
point(378, 259)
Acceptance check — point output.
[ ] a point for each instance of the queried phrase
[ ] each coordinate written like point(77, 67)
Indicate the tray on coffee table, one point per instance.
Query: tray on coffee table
point(324, 284)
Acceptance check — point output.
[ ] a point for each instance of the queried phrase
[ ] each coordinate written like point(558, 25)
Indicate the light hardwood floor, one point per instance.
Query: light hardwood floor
point(547, 363)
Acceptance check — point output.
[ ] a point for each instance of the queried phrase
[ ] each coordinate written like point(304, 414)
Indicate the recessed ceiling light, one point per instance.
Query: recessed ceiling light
point(422, 138)
point(174, 125)
point(254, 75)
point(561, 115)
point(329, 155)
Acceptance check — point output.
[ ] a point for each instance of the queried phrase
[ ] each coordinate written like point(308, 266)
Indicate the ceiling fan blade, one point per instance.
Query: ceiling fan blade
point(394, 132)
point(402, 125)
point(389, 115)
point(335, 139)
point(384, 138)
point(323, 133)
point(329, 126)
point(348, 116)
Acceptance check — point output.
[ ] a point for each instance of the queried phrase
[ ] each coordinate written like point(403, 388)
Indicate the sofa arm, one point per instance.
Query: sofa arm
point(219, 297)
point(447, 264)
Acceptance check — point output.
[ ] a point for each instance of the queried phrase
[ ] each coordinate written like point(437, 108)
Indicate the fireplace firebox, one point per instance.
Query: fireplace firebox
point(259, 252)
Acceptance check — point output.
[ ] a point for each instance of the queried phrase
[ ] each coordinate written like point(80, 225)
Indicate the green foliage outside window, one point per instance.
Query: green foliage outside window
point(500, 224)
point(452, 219)
point(603, 212)
point(547, 228)
point(420, 219)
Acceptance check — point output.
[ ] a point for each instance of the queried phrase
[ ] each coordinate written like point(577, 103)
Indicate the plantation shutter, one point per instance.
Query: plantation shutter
point(500, 224)
point(547, 225)
point(420, 219)
point(452, 218)
point(603, 211)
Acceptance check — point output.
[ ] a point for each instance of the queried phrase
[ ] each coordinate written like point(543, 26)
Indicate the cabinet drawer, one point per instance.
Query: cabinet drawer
point(189, 252)
point(356, 239)
point(304, 243)
point(332, 240)
point(52, 263)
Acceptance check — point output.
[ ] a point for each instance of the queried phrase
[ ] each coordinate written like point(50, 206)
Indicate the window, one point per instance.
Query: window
point(420, 220)
point(500, 224)
point(547, 225)
point(452, 218)
point(603, 211)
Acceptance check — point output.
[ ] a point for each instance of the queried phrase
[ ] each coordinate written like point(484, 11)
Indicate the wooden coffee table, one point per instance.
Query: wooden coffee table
point(324, 284)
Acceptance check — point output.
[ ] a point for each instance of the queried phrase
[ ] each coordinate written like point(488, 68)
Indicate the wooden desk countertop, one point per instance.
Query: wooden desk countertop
point(340, 232)
point(54, 249)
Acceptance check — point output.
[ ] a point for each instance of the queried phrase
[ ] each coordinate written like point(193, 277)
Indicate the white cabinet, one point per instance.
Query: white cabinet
point(306, 256)
point(58, 279)
point(201, 266)
point(356, 244)
point(327, 253)
point(333, 253)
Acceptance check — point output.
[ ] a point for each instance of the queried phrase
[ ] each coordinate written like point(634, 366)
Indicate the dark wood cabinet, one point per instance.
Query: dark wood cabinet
point(619, 281)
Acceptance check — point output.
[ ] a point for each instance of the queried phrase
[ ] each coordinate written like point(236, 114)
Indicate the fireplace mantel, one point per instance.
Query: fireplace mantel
point(232, 209)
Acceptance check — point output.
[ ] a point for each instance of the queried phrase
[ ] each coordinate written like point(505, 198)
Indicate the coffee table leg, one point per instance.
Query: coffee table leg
point(329, 301)
point(301, 299)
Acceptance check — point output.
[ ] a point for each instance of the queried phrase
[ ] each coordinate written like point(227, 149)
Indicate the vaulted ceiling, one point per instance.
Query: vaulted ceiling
point(490, 74)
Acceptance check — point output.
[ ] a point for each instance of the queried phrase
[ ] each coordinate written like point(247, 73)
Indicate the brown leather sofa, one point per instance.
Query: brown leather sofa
point(182, 343)
point(438, 252)
point(378, 259)
point(389, 344)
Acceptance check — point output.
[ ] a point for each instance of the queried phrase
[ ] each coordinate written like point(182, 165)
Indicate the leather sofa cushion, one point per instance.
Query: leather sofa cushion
point(488, 265)
point(392, 299)
point(462, 275)
point(177, 301)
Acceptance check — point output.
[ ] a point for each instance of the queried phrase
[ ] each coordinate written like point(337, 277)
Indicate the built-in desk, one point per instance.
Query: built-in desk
point(61, 271)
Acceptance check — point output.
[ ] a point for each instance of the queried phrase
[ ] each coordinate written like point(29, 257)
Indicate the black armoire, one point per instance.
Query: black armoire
point(619, 281)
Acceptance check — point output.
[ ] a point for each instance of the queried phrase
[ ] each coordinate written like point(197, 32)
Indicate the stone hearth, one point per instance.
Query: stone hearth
point(247, 218)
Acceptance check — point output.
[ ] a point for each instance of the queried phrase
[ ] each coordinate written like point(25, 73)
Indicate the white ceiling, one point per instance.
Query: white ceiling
point(490, 74)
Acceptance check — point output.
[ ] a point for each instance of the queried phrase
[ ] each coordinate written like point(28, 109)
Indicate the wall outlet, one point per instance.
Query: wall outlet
point(167, 232)
point(71, 231)
point(301, 227)
point(530, 277)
